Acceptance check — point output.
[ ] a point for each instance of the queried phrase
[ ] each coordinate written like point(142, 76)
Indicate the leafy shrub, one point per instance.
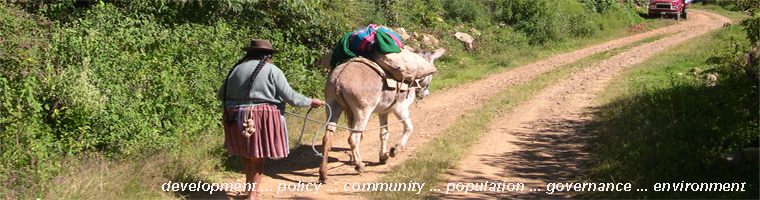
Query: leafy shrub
point(119, 79)
point(752, 27)
point(24, 138)
point(730, 61)
point(407, 14)
point(530, 17)
point(545, 22)
point(599, 6)
point(478, 13)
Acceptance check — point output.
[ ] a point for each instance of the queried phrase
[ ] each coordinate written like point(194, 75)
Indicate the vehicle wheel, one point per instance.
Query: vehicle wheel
point(685, 13)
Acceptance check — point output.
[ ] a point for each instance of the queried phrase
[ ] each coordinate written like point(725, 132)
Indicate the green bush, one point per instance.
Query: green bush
point(534, 18)
point(478, 13)
point(545, 22)
point(119, 79)
point(599, 6)
point(752, 27)
point(24, 138)
point(407, 14)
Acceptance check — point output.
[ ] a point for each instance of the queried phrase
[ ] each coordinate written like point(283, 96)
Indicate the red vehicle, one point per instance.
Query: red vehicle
point(677, 8)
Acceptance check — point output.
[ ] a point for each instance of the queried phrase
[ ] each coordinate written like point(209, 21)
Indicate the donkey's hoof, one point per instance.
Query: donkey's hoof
point(322, 177)
point(384, 158)
point(394, 151)
point(359, 169)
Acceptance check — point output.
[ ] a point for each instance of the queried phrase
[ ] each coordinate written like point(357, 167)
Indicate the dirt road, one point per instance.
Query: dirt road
point(537, 143)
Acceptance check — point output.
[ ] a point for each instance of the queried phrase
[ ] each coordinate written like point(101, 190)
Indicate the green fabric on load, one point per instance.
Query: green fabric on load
point(384, 44)
point(341, 51)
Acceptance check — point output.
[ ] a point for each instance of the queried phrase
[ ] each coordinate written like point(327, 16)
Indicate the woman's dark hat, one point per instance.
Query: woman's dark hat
point(260, 45)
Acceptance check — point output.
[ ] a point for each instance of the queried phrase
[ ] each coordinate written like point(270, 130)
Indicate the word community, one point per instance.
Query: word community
point(370, 187)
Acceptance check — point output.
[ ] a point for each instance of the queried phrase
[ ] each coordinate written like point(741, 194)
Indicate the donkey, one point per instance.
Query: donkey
point(359, 90)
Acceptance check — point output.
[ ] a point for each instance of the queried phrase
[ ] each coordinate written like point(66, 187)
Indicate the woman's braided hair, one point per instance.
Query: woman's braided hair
point(250, 55)
point(264, 60)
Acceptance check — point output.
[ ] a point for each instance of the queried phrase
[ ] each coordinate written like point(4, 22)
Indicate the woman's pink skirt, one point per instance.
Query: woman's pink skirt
point(269, 139)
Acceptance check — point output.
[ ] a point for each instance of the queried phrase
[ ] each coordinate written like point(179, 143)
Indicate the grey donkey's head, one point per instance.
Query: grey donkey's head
point(430, 56)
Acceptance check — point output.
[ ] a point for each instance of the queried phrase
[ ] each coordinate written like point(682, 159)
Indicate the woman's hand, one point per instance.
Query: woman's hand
point(316, 103)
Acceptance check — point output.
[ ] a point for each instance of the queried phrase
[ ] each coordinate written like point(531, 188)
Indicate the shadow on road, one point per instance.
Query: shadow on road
point(551, 151)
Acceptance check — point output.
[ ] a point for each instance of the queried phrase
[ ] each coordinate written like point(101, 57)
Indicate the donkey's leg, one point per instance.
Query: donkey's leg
point(408, 128)
point(360, 122)
point(328, 139)
point(383, 137)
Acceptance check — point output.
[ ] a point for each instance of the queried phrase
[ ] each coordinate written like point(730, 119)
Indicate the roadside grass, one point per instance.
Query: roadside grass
point(655, 23)
point(661, 123)
point(92, 175)
point(733, 15)
point(444, 152)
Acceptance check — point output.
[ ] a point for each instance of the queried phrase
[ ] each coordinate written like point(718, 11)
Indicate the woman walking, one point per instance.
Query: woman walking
point(253, 96)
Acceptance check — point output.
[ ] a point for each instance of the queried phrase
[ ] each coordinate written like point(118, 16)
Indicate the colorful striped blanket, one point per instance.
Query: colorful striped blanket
point(364, 42)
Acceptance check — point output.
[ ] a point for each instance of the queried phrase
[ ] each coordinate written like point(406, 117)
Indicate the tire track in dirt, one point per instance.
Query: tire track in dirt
point(434, 115)
point(541, 141)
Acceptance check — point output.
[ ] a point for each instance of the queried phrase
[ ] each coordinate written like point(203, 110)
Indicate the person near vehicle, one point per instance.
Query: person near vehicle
point(253, 97)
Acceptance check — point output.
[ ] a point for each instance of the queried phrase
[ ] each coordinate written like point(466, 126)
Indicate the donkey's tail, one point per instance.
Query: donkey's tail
point(337, 94)
point(346, 109)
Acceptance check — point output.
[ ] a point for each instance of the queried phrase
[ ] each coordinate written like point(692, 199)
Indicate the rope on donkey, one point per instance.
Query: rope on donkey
point(303, 128)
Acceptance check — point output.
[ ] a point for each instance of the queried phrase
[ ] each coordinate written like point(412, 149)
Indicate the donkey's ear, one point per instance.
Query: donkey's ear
point(409, 48)
point(437, 53)
point(325, 60)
